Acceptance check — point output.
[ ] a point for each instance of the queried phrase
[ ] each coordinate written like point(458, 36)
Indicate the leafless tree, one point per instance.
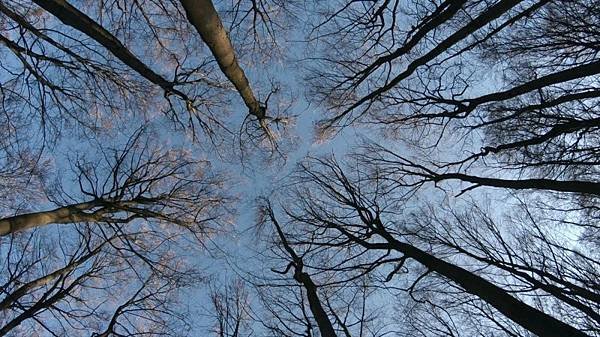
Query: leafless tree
point(511, 79)
point(231, 310)
point(309, 292)
point(333, 212)
point(70, 74)
point(135, 182)
point(465, 105)
point(98, 281)
point(113, 266)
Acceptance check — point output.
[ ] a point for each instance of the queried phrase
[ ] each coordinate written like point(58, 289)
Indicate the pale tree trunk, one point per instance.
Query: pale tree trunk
point(203, 16)
point(67, 214)
point(48, 300)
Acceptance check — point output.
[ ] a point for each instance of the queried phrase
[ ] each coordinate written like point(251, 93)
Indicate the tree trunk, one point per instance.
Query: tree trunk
point(71, 16)
point(561, 292)
point(521, 313)
point(203, 16)
point(46, 301)
point(316, 307)
point(68, 214)
point(573, 186)
point(28, 287)
point(491, 14)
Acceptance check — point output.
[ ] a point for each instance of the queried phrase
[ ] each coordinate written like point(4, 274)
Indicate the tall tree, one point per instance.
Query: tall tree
point(468, 206)
point(140, 201)
point(204, 17)
point(335, 211)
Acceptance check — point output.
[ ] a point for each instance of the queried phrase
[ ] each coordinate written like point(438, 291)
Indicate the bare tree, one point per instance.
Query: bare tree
point(64, 66)
point(335, 211)
point(312, 292)
point(139, 183)
point(112, 265)
point(314, 302)
point(509, 78)
point(470, 210)
point(99, 283)
point(204, 17)
point(231, 310)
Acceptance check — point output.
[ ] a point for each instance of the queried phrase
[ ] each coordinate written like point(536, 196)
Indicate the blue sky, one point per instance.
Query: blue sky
point(249, 173)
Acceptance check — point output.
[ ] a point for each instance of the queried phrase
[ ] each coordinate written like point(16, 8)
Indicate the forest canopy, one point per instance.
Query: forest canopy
point(300, 168)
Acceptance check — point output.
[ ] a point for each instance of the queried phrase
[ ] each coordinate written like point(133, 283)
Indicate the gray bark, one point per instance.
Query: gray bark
point(67, 214)
point(203, 16)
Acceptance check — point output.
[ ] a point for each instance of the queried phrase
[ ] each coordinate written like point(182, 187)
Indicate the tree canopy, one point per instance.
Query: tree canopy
point(300, 168)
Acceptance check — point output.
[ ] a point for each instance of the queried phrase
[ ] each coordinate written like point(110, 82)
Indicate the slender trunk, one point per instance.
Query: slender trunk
point(47, 301)
point(545, 104)
point(580, 71)
point(203, 16)
point(491, 14)
point(566, 75)
point(46, 279)
point(71, 16)
point(556, 131)
point(316, 307)
point(573, 186)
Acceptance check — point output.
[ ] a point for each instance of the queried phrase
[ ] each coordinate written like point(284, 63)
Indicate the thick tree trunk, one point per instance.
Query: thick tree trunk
point(526, 316)
point(564, 292)
point(68, 214)
point(203, 16)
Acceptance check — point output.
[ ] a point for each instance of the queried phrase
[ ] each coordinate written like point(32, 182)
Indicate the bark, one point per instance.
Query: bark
point(100, 210)
point(534, 320)
point(556, 131)
point(491, 14)
point(23, 290)
point(203, 16)
point(67, 214)
point(47, 300)
point(71, 16)
point(443, 13)
point(561, 293)
point(316, 307)
point(574, 186)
